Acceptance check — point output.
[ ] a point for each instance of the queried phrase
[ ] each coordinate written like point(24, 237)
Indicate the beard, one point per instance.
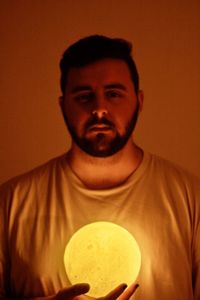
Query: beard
point(100, 145)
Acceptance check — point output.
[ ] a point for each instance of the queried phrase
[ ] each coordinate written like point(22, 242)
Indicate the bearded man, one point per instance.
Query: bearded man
point(106, 177)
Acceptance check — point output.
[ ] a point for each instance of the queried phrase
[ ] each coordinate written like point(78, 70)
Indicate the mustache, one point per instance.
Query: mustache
point(95, 120)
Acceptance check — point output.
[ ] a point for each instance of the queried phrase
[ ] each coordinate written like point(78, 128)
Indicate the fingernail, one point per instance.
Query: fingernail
point(124, 286)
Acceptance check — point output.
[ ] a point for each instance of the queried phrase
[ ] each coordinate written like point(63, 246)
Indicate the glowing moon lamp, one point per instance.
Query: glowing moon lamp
point(104, 255)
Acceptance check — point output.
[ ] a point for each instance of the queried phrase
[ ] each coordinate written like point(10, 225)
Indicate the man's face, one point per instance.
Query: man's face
point(100, 106)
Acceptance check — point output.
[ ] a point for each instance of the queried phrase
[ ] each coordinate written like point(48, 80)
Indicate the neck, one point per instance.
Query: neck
point(108, 172)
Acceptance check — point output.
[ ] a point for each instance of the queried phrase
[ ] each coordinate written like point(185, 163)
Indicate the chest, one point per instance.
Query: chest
point(38, 240)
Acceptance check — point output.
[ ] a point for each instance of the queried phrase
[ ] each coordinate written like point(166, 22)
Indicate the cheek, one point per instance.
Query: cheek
point(124, 120)
point(123, 114)
point(75, 115)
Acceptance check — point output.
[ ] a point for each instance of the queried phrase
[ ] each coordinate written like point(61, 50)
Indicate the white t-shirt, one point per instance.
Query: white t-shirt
point(159, 205)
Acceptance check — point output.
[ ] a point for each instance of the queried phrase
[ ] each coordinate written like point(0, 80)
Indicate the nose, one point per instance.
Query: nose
point(100, 107)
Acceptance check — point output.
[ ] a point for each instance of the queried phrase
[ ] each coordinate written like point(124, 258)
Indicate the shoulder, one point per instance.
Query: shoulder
point(169, 167)
point(173, 174)
point(36, 176)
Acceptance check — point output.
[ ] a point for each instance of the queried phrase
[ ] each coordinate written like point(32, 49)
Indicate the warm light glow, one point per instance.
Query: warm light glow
point(104, 255)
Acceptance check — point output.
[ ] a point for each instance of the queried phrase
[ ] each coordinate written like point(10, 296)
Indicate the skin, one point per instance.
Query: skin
point(106, 89)
point(76, 292)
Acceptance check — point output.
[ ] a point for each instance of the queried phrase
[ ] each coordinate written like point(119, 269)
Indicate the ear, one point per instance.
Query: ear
point(140, 99)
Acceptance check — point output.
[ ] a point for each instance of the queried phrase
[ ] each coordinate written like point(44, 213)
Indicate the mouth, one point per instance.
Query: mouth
point(100, 128)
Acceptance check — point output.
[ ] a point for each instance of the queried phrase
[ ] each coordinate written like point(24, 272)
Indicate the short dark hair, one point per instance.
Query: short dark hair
point(93, 48)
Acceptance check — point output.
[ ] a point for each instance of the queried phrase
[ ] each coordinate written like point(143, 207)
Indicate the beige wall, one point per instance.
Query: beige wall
point(166, 38)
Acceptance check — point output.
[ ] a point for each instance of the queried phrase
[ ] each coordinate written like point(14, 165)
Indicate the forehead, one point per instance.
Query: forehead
point(101, 72)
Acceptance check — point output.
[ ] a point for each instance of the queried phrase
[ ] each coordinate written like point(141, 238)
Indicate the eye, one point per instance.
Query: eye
point(112, 94)
point(84, 97)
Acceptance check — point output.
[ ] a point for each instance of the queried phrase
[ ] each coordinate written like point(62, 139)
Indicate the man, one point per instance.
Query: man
point(105, 176)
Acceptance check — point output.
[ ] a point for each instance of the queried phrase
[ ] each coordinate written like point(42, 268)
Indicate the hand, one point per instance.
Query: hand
point(77, 291)
point(71, 292)
point(121, 293)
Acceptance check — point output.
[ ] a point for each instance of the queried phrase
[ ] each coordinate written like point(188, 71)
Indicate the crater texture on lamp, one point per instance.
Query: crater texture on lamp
point(104, 255)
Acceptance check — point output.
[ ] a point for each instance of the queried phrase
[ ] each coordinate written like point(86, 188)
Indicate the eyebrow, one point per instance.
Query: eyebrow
point(113, 85)
point(116, 86)
point(81, 88)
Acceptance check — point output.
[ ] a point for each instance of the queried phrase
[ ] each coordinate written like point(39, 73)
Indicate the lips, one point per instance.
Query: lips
point(100, 127)
point(96, 124)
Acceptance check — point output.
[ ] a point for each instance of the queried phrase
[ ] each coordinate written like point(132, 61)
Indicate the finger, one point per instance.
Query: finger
point(114, 294)
point(73, 291)
point(128, 292)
